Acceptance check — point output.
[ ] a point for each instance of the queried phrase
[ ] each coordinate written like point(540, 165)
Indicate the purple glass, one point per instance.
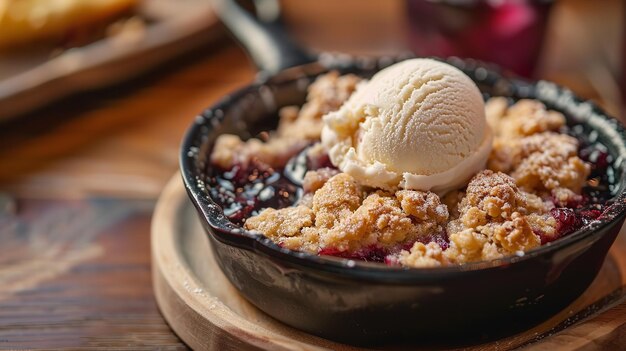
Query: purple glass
point(508, 33)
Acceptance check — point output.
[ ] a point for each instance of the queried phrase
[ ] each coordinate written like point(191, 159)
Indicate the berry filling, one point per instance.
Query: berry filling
point(245, 190)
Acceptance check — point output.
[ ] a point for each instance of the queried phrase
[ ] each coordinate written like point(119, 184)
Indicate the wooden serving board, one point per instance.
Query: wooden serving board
point(207, 312)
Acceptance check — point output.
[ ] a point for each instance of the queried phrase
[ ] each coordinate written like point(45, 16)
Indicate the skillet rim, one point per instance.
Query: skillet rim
point(217, 225)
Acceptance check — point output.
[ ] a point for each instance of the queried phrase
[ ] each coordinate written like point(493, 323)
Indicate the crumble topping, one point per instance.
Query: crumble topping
point(549, 162)
point(545, 163)
point(423, 255)
point(385, 219)
point(326, 94)
point(335, 200)
point(496, 219)
point(297, 128)
point(230, 150)
point(379, 219)
point(490, 196)
point(504, 210)
point(285, 222)
point(527, 147)
point(314, 180)
point(345, 218)
point(525, 117)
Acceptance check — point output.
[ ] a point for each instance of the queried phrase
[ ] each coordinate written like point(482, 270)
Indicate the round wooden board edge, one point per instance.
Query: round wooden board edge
point(199, 319)
point(203, 322)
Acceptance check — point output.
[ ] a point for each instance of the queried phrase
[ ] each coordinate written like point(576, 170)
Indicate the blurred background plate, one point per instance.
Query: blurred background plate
point(150, 33)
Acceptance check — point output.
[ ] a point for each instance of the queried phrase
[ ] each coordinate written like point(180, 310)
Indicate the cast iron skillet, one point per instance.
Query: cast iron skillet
point(362, 302)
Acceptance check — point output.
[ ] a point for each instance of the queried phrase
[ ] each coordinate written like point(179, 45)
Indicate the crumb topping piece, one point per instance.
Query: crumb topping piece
point(337, 199)
point(285, 222)
point(546, 164)
point(348, 219)
point(490, 196)
point(326, 94)
point(297, 128)
point(527, 146)
point(379, 220)
point(425, 206)
point(230, 150)
point(526, 117)
point(314, 180)
point(496, 219)
point(423, 255)
point(549, 162)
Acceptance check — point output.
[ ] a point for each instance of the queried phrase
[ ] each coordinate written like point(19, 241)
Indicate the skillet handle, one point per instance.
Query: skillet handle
point(267, 44)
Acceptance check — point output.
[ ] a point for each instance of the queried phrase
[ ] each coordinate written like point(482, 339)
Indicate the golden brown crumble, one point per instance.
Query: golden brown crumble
point(502, 212)
point(379, 219)
point(423, 255)
point(280, 223)
point(490, 195)
point(496, 219)
point(549, 161)
point(345, 220)
point(525, 117)
point(546, 164)
point(314, 180)
point(337, 199)
point(230, 150)
point(296, 128)
point(382, 219)
point(425, 206)
point(541, 161)
point(386, 220)
point(326, 94)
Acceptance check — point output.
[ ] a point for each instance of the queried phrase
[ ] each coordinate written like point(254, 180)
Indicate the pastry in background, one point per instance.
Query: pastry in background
point(24, 22)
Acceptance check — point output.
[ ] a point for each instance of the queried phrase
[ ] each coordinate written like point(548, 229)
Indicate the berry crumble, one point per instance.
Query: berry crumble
point(543, 180)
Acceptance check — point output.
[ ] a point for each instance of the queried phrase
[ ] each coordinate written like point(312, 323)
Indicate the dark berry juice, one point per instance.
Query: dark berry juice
point(244, 190)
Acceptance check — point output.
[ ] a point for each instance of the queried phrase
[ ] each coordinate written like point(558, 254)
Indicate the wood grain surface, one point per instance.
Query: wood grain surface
point(79, 180)
point(79, 277)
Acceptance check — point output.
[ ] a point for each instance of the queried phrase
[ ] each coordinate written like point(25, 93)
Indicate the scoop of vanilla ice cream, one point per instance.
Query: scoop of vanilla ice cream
point(419, 124)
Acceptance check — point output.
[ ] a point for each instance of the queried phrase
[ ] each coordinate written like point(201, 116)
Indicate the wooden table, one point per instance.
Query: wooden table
point(78, 182)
